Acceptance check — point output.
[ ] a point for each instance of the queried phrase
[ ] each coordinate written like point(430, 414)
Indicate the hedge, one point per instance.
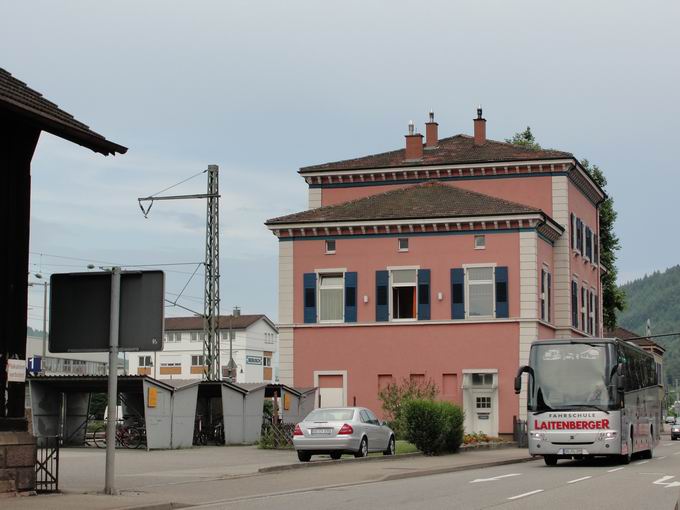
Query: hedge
point(434, 427)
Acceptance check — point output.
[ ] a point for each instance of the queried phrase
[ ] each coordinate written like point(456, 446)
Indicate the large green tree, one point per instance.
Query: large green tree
point(613, 298)
point(525, 139)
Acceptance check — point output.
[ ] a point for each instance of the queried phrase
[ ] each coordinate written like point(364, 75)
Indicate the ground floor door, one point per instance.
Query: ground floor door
point(331, 389)
point(483, 418)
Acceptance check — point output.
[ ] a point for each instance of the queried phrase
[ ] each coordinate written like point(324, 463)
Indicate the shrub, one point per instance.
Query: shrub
point(434, 427)
point(395, 395)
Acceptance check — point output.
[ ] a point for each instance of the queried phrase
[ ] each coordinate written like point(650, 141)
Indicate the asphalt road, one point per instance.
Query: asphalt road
point(598, 484)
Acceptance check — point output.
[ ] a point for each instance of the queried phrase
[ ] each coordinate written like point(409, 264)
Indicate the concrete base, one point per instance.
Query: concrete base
point(17, 462)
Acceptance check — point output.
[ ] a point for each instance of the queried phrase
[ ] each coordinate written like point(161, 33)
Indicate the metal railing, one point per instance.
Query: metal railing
point(47, 464)
point(519, 432)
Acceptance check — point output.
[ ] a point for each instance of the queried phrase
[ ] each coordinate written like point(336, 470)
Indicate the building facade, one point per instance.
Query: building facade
point(254, 346)
point(443, 260)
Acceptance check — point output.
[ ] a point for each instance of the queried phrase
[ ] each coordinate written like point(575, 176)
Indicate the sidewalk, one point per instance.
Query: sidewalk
point(187, 489)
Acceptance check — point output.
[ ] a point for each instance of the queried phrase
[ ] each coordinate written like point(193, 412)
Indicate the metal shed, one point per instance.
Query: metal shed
point(293, 403)
point(238, 405)
point(60, 407)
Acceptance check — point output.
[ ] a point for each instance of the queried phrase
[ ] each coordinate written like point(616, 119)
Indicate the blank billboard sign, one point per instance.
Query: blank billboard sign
point(80, 308)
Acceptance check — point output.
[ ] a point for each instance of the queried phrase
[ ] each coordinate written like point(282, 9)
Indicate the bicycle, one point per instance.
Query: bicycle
point(200, 436)
point(128, 436)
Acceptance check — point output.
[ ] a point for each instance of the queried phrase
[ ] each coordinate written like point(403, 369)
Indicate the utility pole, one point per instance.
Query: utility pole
point(231, 366)
point(211, 295)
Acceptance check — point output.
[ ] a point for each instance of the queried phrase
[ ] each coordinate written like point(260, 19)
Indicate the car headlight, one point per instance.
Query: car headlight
point(675, 429)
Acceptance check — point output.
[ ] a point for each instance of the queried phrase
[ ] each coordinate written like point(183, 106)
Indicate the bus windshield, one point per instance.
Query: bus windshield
point(571, 376)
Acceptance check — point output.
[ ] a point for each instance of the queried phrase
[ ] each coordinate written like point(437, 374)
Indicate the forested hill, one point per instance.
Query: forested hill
point(656, 297)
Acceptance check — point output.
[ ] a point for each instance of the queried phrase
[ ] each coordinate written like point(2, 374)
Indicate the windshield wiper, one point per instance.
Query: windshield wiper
point(589, 406)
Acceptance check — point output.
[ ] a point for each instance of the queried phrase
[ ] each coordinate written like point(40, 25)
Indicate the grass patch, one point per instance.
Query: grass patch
point(405, 447)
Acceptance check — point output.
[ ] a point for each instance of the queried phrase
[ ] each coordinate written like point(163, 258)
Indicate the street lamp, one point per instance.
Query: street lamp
point(231, 366)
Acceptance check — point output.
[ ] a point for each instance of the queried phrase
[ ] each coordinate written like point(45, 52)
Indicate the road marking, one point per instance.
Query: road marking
point(664, 481)
point(615, 469)
point(526, 494)
point(580, 479)
point(494, 478)
point(676, 453)
point(659, 458)
point(641, 463)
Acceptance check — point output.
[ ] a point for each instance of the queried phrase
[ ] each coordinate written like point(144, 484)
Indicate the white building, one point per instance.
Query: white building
point(71, 363)
point(255, 342)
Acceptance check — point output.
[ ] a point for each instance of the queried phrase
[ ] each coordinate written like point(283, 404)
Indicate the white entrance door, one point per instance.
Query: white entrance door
point(483, 418)
point(332, 388)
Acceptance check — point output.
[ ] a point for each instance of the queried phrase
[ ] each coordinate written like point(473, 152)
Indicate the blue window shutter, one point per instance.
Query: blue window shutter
point(574, 304)
point(457, 293)
point(549, 296)
point(502, 292)
point(309, 283)
point(350, 297)
point(572, 222)
point(424, 294)
point(543, 294)
point(382, 283)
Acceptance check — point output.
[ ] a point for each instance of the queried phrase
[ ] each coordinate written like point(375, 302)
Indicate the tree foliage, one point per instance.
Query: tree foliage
point(524, 139)
point(613, 298)
point(655, 297)
point(394, 396)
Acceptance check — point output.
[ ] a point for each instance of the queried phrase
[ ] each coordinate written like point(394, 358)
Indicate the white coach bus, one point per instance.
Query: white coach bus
point(591, 397)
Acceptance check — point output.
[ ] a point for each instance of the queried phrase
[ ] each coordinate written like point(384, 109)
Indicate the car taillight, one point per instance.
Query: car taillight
point(346, 429)
point(297, 431)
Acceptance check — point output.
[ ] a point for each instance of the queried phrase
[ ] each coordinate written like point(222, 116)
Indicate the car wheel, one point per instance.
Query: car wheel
point(336, 455)
point(363, 448)
point(550, 460)
point(391, 447)
point(304, 456)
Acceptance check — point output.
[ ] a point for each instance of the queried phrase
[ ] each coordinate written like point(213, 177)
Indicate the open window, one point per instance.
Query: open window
point(404, 293)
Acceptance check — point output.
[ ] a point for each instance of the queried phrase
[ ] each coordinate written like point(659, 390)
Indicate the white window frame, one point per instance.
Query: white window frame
point(198, 358)
point(591, 324)
point(143, 361)
point(327, 272)
point(584, 306)
point(467, 291)
point(267, 361)
point(399, 247)
point(335, 246)
point(390, 269)
point(483, 238)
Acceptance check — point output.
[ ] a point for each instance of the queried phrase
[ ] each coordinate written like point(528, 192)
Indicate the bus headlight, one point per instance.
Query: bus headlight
point(538, 436)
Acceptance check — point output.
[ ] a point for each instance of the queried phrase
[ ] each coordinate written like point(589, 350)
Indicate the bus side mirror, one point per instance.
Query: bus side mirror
point(518, 378)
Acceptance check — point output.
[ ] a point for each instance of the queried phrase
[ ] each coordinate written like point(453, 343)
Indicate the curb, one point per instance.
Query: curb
point(453, 469)
point(385, 458)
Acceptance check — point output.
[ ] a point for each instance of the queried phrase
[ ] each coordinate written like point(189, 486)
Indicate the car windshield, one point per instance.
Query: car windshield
point(330, 415)
point(570, 376)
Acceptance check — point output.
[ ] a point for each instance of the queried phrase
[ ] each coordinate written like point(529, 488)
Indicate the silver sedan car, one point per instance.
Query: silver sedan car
point(334, 431)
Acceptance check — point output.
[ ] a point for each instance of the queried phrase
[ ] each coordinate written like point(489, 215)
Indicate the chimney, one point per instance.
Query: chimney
point(414, 143)
point(480, 128)
point(431, 132)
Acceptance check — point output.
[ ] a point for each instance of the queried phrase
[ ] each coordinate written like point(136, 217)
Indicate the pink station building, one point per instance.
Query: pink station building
point(442, 260)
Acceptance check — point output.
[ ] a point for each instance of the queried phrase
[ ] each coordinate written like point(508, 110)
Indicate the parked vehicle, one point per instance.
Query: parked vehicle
point(591, 397)
point(670, 420)
point(335, 431)
point(675, 431)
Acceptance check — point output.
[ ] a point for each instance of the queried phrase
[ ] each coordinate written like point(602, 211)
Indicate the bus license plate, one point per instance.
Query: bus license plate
point(572, 451)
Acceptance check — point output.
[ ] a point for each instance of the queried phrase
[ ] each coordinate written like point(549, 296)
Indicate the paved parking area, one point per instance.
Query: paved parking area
point(82, 469)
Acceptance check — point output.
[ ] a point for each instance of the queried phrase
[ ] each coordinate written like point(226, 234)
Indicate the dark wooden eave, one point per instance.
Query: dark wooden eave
point(19, 100)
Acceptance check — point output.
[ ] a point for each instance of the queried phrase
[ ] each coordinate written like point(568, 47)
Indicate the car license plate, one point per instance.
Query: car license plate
point(321, 432)
point(573, 451)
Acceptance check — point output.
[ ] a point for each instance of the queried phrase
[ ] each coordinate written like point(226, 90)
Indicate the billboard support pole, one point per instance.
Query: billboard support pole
point(112, 417)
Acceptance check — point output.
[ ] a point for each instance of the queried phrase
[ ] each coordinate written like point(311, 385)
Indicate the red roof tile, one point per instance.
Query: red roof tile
point(431, 199)
point(19, 98)
point(457, 149)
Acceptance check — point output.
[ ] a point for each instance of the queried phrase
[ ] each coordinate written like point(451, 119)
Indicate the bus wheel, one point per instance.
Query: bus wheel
point(550, 460)
point(648, 454)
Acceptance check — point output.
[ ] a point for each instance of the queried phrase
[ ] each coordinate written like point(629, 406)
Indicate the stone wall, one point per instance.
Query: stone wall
point(17, 462)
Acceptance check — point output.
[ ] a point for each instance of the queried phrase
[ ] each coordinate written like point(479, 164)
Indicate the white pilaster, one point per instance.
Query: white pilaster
point(314, 198)
point(561, 254)
point(528, 331)
point(286, 312)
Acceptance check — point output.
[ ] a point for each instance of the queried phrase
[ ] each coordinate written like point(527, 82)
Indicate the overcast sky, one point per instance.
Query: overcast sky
point(262, 88)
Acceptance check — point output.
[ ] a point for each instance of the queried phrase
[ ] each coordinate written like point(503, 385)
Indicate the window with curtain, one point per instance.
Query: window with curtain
point(404, 293)
point(480, 289)
point(331, 290)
